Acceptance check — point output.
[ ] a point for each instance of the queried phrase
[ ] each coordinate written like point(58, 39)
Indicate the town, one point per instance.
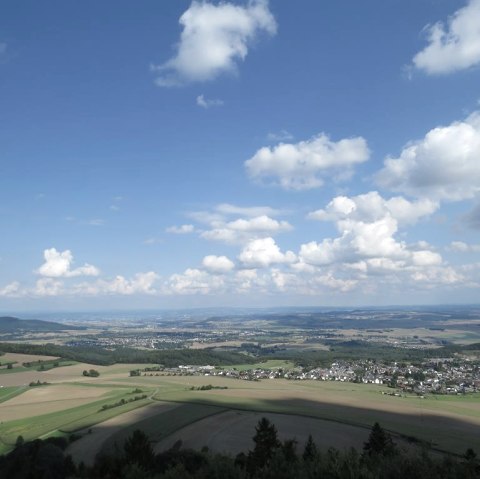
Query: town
point(435, 376)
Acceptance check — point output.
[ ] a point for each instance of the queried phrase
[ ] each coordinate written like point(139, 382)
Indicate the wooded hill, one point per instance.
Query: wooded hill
point(9, 324)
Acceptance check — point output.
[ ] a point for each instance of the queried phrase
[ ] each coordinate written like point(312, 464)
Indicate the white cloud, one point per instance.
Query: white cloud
point(371, 206)
point(12, 290)
point(455, 47)
point(180, 230)
point(48, 287)
point(241, 230)
point(282, 135)
point(264, 252)
point(194, 281)
point(426, 258)
point(217, 264)
point(250, 211)
point(368, 225)
point(208, 103)
point(141, 283)
point(438, 276)
point(443, 165)
point(214, 39)
point(300, 166)
point(461, 247)
point(342, 285)
point(224, 223)
point(58, 265)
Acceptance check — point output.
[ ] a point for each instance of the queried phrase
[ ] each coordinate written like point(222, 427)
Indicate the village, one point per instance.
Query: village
point(435, 376)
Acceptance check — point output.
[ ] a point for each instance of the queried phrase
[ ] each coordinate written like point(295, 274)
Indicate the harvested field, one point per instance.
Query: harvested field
point(232, 431)
point(86, 448)
point(46, 399)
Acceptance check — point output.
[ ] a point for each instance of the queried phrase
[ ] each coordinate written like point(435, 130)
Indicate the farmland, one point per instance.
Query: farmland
point(336, 413)
point(324, 378)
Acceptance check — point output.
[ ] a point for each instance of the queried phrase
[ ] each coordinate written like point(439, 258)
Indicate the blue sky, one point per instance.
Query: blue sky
point(175, 153)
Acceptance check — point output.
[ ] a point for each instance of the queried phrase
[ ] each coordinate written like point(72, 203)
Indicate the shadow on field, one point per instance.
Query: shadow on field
point(197, 421)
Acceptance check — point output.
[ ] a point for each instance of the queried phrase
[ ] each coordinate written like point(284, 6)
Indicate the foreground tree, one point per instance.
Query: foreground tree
point(379, 443)
point(266, 443)
point(310, 451)
point(138, 450)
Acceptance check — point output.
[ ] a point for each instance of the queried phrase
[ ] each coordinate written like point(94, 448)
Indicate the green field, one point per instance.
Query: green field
point(68, 420)
point(269, 364)
point(10, 392)
point(43, 366)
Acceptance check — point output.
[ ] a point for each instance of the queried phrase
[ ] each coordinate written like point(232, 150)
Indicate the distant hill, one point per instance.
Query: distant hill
point(9, 324)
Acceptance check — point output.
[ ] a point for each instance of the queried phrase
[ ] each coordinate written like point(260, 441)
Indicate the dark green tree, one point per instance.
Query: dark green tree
point(469, 455)
point(138, 450)
point(379, 443)
point(310, 451)
point(266, 443)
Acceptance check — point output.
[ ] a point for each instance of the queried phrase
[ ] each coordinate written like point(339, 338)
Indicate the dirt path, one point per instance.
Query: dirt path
point(86, 448)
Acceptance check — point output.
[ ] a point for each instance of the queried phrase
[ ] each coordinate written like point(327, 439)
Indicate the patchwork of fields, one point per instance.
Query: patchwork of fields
point(105, 409)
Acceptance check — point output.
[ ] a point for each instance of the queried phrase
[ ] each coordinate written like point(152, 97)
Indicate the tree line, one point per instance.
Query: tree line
point(106, 357)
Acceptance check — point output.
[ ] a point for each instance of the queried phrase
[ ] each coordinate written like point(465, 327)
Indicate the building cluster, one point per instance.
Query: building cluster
point(436, 376)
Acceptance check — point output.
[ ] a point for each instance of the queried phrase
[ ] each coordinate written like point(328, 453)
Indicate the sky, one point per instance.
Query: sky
point(175, 154)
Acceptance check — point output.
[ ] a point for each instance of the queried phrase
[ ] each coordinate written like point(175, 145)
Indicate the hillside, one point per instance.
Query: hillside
point(10, 324)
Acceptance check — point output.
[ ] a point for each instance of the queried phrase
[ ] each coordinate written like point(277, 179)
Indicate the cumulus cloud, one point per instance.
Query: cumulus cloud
point(214, 39)
point(194, 281)
point(58, 265)
point(233, 224)
point(217, 264)
point(438, 276)
point(264, 252)
point(371, 206)
point(300, 166)
point(140, 283)
point(207, 102)
point(368, 225)
point(455, 46)
point(444, 165)
point(48, 287)
point(241, 230)
point(180, 230)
